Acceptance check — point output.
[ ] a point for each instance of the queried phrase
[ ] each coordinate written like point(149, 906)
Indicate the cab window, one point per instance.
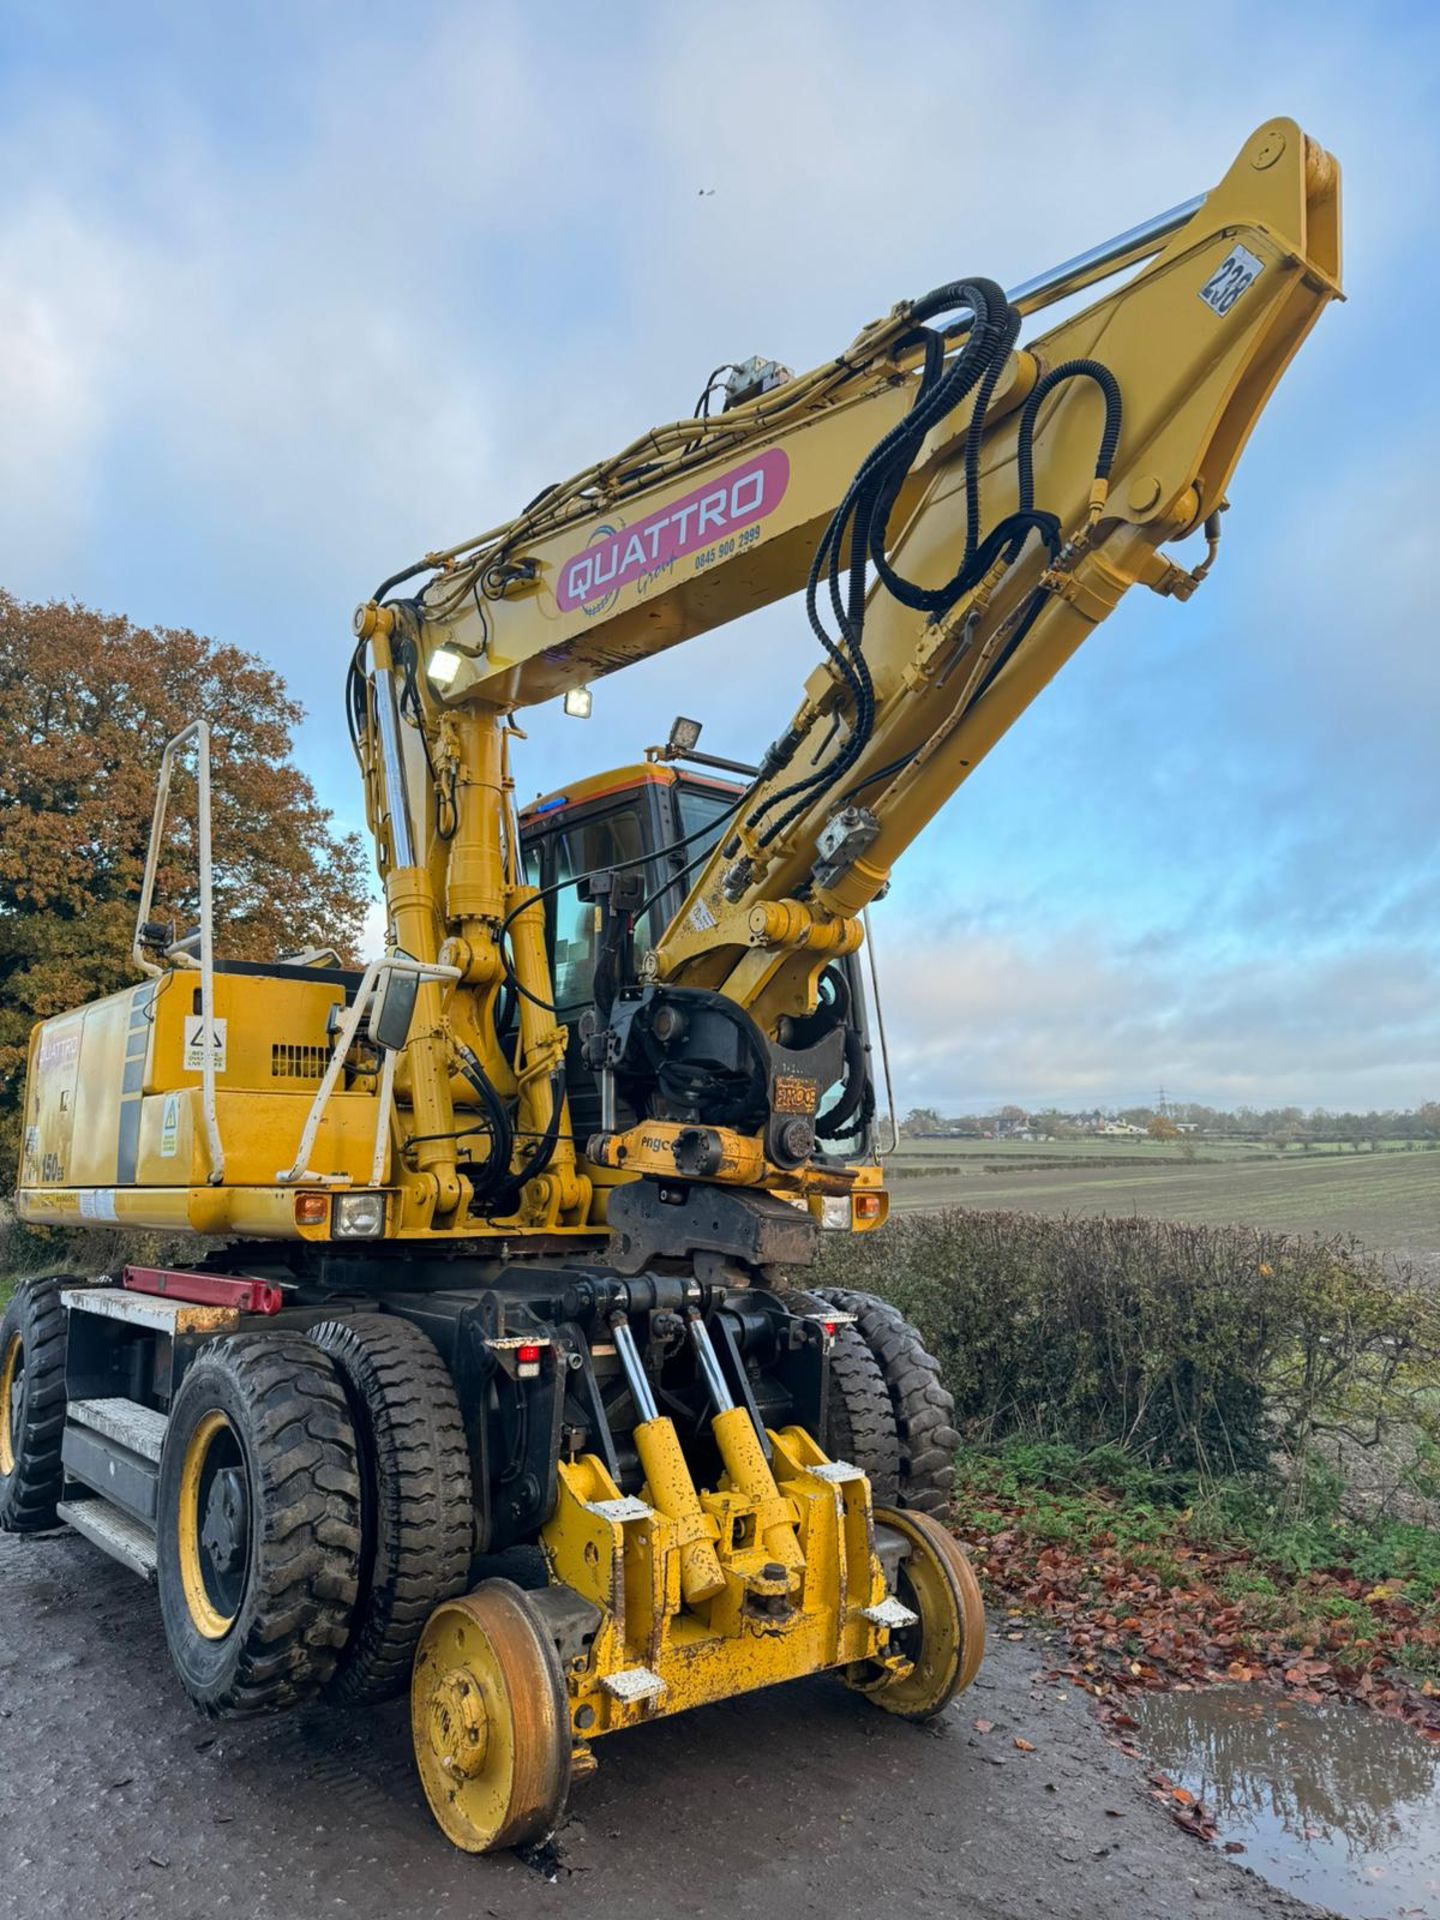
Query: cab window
point(589, 846)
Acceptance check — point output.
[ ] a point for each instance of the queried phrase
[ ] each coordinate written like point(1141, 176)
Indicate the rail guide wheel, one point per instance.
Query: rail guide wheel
point(947, 1642)
point(489, 1721)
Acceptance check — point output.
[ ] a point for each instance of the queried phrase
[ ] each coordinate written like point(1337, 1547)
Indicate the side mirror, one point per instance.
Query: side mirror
point(392, 1011)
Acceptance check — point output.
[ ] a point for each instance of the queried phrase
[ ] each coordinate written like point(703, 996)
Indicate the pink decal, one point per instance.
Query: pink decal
point(712, 513)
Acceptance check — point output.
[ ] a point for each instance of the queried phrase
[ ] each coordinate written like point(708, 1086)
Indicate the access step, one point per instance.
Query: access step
point(113, 1446)
point(114, 1532)
point(126, 1422)
point(152, 1311)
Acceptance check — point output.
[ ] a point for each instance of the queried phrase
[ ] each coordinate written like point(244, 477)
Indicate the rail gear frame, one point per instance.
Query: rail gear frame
point(509, 1217)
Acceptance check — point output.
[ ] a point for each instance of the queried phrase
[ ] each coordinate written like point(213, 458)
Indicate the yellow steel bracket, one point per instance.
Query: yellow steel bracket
point(654, 1652)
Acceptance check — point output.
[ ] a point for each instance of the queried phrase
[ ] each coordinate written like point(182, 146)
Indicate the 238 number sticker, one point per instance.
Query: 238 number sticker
point(1237, 271)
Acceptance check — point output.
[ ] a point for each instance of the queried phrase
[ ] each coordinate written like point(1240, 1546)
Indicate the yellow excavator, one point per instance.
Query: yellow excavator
point(514, 1221)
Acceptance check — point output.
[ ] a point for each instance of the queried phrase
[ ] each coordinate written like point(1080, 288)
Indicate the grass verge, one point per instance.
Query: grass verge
point(1160, 1579)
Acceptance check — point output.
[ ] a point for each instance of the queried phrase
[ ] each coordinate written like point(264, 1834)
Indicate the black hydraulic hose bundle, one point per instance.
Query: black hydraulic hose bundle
point(862, 519)
point(856, 535)
point(497, 1190)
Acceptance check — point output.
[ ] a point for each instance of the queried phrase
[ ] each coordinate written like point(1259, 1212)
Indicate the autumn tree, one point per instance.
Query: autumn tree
point(87, 703)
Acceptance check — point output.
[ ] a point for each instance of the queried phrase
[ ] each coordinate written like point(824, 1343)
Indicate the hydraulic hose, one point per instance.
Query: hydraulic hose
point(1110, 436)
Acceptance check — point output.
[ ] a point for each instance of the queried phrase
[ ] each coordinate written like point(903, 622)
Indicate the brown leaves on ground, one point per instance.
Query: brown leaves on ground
point(1130, 1628)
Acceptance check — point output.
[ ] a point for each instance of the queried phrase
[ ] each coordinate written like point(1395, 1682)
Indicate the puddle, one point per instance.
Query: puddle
point(1334, 1804)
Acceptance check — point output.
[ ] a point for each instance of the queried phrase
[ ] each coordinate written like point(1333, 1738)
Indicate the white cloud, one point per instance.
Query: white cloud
point(253, 357)
point(980, 1020)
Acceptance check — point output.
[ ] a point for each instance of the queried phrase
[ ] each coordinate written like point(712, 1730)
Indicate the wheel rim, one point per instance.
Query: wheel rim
point(947, 1642)
point(12, 1403)
point(488, 1721)
point(213, 1526)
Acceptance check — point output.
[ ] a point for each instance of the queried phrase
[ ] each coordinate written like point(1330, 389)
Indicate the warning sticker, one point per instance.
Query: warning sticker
point(195, 1041)
point(700, 919)
point(169, 1126)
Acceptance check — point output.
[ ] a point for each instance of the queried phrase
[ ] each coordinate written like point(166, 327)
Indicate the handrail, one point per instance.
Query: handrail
point(894, 1146)
point(298, 1172)
point(199, 732)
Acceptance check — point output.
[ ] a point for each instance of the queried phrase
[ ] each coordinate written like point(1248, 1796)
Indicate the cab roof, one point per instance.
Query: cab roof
point(599, 786)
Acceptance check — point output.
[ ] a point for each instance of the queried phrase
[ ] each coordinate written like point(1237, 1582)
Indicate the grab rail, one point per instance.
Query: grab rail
point(199, 732)
point(298, 1172)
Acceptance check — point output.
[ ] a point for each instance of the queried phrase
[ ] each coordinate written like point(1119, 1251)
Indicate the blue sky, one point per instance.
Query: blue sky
point(289, 295)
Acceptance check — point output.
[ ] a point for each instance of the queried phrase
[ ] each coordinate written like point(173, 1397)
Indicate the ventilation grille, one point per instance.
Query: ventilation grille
point(298, 1063)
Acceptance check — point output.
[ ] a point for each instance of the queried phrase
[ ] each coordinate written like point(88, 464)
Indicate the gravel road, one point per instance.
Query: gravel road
point(115, 1800)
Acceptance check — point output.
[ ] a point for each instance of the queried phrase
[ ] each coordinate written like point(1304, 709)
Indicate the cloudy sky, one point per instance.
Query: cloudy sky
point(290, 294)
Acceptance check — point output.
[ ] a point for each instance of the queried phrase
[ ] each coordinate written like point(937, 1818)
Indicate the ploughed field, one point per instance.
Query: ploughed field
point(1390, 1199)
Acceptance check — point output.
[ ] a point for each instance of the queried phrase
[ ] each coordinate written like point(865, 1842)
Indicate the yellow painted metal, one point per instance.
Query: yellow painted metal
point(205, 1616)
point(657, 1147)
point(944, 1649)
point(1193, 384)
point(765, 1625)
point(9, 1369)
point(599, 786)
point(487, 1719)
point(670, 1489)
point(750, 1474)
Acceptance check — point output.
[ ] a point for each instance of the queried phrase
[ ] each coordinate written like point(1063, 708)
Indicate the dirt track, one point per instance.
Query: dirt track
point(116, 1801)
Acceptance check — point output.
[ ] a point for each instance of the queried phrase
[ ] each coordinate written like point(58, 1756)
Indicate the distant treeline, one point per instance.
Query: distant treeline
point(1280, 1126)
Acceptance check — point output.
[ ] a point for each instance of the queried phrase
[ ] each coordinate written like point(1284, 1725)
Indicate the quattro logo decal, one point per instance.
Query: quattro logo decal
point(712, 513)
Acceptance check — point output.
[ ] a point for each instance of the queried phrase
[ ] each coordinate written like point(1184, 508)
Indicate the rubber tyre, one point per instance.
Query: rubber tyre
point(418, 1516)
point(32, 1359)
point(285, 1406)
point(859, 1419)
point(924, 1408)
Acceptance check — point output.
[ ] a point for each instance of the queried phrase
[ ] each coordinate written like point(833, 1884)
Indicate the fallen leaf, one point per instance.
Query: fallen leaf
point(1023, 1746)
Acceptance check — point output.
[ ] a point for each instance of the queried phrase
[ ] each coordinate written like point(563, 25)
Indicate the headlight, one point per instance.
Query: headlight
point(836, 1213)
point(358, 1216)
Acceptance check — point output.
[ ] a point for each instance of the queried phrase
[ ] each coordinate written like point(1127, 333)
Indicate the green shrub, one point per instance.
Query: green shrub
point(1204, 1349)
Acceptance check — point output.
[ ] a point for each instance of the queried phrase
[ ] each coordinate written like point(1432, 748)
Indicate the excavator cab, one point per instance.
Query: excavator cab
point(661, 821)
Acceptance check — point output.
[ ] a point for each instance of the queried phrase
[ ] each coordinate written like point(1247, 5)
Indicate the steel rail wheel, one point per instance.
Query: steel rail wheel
point(947, 1643)
point(488, 1720)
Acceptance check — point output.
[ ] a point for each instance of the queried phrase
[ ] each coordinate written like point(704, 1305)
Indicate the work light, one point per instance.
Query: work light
point(444, 665)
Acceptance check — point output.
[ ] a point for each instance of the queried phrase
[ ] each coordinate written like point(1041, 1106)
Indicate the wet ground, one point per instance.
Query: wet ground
point(1339, 1805)
point(116, 1801)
